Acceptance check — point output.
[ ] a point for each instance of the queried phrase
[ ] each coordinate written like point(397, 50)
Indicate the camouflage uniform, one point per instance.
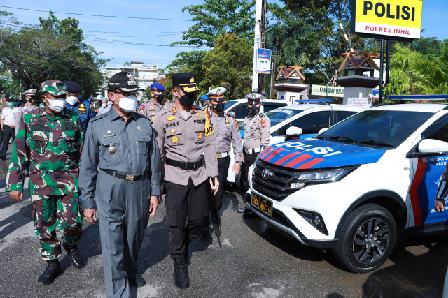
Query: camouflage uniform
point(49, 148)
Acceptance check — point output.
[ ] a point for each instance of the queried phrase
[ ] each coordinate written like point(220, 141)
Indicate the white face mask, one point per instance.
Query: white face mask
point(56, 104)
point(72, 100)
point(128, 104)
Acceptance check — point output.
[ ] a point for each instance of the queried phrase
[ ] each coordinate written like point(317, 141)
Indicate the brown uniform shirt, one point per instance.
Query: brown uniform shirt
point(182, 136)
point(256, 131)
point(227, 133)
point(149, 109)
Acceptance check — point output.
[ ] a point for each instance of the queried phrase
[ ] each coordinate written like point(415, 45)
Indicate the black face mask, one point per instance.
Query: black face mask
point(219, 107)
point(188, 100)
point(253, 110)
point(160, 99)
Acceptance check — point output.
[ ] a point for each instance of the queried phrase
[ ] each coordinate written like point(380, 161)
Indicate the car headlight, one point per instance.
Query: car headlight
point(323, 176)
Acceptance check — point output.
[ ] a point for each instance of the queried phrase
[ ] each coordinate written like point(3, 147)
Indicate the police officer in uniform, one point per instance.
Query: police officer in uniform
point(256, 135)
point(227, 134)
point(120, 183)
point(155, 103)
point(186, 140)
point(83, 108)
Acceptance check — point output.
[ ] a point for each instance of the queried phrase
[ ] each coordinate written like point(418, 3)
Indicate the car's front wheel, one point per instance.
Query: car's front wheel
point(367, 238)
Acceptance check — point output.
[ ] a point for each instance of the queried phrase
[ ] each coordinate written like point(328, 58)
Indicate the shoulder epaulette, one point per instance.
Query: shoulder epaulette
point(98, 117)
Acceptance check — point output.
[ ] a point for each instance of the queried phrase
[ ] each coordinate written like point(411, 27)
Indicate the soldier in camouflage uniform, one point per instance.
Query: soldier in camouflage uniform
point(155, 103)
point(48, 145)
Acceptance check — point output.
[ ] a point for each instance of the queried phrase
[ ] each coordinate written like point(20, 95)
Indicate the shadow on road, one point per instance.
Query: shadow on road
point(16, 221)
point(286, 244)
point(411, 276)
point(154, 247)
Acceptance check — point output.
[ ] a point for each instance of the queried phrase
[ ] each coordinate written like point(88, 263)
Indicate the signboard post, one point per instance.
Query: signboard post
point(264, 57)
point(388, 19)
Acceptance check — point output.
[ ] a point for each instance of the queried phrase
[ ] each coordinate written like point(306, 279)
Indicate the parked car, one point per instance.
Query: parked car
point(357, 186)
point(300, 121)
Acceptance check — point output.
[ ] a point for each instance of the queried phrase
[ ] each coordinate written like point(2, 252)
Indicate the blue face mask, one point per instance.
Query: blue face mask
point(10, 104)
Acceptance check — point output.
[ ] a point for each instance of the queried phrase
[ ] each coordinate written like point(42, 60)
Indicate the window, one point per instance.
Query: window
point(437, 131)
point(341, 115)
point(272, 106)
point(310, 124)
point(240, 111)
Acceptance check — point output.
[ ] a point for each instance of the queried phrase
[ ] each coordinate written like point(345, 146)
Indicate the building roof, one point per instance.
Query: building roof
point(358, 60)
point(290, 72)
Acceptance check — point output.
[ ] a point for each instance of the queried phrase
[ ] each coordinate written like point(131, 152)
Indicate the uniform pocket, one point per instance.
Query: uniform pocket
point(39, 141)
point(110, 148)
point(68, 141)
point(143, 143)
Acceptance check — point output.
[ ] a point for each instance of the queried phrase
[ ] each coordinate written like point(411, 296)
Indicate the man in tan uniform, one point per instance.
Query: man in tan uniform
point(187, 142)
point(227, 134)
point(256, 135)
point(155, 103)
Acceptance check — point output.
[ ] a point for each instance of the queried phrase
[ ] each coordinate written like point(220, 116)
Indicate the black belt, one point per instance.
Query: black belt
point(123, 176)
point(187, 166)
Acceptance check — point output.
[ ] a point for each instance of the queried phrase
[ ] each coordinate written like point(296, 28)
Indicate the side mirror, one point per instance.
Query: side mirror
point(293, 131)
point(323, 130)
point(430, 146)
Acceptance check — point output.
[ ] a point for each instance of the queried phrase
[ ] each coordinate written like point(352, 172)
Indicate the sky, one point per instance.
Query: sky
point(109, 34)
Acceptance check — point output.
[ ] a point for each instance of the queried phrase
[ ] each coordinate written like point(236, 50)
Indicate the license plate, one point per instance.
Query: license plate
point(264, 205)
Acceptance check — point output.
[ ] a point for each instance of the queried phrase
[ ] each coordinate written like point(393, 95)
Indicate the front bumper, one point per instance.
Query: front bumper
point(280, 222)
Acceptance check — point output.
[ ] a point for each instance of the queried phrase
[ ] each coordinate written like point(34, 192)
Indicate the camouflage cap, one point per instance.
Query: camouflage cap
point(54, 87)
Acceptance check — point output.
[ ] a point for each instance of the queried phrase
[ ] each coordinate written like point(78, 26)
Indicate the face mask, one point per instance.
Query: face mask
point(219, 107)
point(10, 104)
point(56, 104)
point(104, 104)
point(187, 100)
point(160, 98)
point(128, 104)
point(253, 110)
point(72, 100)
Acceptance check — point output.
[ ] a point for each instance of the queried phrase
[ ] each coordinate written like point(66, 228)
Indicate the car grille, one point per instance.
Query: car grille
point(276, 186)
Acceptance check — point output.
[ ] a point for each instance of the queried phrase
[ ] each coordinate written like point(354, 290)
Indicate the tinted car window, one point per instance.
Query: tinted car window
point(437, 131)
point(377, 128)
point(341, 115)
point(310, 124)
point(272, 105)
point(277, 116)
point(240, 111)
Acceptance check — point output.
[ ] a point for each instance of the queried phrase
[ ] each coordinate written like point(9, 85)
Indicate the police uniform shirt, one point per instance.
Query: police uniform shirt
point(182, 136)
point(149, 109)
point(227, 133)
point(256, 131)
point(111, 143)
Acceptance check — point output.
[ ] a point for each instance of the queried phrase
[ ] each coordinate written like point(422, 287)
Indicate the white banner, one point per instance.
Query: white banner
point(327, 91)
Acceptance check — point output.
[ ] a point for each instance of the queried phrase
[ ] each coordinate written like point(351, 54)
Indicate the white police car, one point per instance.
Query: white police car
point(302, 121)
point(358, 185)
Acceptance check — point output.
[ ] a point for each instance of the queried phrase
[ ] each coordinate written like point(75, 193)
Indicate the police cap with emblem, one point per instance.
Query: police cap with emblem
point(217, 94)
point(185, 81)
point(123, 81)
point(254, 97)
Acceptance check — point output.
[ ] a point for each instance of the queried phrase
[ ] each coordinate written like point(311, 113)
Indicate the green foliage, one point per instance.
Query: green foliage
point(52, 50)
point(229, 65)
point(424, 72)
point(188, 62)
point(213, 18)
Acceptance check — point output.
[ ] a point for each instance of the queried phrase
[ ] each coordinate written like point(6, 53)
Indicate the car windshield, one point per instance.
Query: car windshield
point(377, 128)
point(278, 116)
point(229, 104)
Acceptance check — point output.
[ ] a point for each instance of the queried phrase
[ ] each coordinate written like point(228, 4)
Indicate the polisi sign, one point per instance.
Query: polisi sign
point(388, 18)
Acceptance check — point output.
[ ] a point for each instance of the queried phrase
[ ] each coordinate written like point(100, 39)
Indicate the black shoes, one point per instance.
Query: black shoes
point(52, 271)
point(181, 279)
point(75, 258)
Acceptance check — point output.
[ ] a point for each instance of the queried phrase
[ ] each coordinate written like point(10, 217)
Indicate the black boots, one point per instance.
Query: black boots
point(75, 258)
point(52, 271)
point(181, 279)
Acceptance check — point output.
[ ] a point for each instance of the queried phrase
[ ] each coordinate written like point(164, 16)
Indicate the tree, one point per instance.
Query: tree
point(52, 50)
point(188, 62)
point(414, 72)
point(213, 18)
point(229, 65)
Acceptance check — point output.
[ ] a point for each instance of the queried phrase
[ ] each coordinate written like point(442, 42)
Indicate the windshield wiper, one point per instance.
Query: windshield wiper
point(337, 138)
point(376, 143)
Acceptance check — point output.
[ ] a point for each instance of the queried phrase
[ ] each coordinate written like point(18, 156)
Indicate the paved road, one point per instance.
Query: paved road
point(253, 262)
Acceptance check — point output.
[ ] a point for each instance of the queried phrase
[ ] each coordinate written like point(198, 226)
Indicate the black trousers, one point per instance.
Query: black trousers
point(249, 159)
point(223, 171)
point(187, 206)
point(8, 133)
